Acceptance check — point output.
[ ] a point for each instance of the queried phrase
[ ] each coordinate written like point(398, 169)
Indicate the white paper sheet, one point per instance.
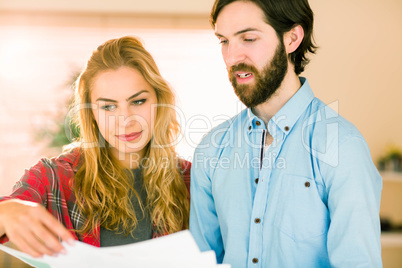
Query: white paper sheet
point(177, 250)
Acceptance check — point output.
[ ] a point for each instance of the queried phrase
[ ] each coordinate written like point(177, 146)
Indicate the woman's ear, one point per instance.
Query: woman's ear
point(293, 38)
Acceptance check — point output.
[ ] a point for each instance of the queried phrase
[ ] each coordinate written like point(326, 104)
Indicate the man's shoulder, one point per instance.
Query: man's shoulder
point(223, 132)
point(326, 118)
point(326, 133)
point(230, 123)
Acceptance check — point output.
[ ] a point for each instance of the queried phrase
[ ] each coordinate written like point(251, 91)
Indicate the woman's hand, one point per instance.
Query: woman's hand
point(32, 228)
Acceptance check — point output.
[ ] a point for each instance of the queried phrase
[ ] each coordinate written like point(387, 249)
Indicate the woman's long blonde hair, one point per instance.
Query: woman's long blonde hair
point(102, 185)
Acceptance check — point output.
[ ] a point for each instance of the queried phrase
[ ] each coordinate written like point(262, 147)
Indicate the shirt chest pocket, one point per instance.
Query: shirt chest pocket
point(300, 214)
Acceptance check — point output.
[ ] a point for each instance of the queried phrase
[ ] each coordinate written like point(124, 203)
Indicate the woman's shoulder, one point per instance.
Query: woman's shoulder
point(66, 162)
point(49, 174)
point(71, 157)
point(185, 167)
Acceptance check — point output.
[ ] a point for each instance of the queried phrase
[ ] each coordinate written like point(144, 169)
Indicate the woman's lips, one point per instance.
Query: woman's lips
point(129, 137)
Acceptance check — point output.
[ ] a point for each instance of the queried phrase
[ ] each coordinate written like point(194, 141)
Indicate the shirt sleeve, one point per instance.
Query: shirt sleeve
point(354, 192)
point(204, 222)
point(28, 188)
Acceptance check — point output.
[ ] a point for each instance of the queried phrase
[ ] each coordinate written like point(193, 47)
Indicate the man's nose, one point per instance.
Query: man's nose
point(235, 54)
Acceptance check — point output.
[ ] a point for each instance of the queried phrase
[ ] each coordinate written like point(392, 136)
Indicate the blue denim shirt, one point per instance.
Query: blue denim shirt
point(311, 199)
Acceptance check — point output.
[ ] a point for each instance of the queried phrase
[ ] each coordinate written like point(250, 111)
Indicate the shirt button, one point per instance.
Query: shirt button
point(287, 128)
point(257, 220)
point(255, 260)
point(256, 180)
point(258, 123)
point(307, 184)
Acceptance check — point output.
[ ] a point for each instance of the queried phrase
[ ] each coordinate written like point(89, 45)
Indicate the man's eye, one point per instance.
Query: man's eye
point(139, 102)
point(222, 42)
point(249, 39)
point(108, 107)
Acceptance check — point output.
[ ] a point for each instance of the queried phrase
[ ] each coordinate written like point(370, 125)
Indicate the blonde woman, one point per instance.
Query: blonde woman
point(123, 182)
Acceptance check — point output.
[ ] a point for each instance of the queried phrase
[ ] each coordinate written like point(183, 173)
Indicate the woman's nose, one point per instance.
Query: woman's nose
point(127, 117)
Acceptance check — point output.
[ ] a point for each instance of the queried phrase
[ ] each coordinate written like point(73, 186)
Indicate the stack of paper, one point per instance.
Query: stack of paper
point(177, 250)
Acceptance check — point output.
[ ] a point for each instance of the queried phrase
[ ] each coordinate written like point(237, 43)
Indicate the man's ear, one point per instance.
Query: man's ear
point(293, 38)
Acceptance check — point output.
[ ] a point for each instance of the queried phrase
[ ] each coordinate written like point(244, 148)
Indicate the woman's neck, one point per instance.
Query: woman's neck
point(129, 160)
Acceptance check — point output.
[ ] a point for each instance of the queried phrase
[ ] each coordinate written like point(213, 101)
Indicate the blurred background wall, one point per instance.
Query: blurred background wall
point(45, 43)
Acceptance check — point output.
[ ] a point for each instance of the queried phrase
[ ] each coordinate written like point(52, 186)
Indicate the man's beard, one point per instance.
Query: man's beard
point(266, 82)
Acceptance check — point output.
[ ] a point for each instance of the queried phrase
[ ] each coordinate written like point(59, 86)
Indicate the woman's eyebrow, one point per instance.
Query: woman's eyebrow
point(128, 99)
point(136, 94)
point(104, 99)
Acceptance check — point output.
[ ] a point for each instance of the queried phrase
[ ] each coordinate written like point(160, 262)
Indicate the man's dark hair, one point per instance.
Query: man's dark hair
point(283, 15)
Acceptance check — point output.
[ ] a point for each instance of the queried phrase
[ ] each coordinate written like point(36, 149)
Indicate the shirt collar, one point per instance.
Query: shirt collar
point(288, 115)
point(253, 121)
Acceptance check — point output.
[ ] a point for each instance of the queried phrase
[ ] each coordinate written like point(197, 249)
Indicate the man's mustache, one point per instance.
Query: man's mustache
point(243, 67)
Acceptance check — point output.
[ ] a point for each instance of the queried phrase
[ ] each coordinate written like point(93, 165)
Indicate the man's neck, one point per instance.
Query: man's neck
point(290, 85)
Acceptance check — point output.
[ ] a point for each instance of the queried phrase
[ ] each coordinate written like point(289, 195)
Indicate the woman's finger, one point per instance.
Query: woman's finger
point(23, 241)
point(57, 228)
point(49, 237)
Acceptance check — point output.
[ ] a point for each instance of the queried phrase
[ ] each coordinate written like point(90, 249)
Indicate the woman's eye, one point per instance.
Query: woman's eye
point(109, 107)
point(139, 102)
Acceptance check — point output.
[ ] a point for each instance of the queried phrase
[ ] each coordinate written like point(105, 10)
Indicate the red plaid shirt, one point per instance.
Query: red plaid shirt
point(50, 183)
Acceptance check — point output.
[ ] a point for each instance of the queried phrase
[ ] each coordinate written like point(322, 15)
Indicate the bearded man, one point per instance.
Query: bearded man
point(287, 182)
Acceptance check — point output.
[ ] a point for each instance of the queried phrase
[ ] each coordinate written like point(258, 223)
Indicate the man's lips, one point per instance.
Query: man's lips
point(129, 137)
point(243, 76)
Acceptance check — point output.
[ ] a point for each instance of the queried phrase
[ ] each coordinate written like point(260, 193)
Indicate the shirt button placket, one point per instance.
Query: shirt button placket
point(258, 210)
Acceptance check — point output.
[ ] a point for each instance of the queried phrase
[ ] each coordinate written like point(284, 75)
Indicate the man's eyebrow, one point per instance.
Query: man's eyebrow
point(240, 32)
point(128, 99)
